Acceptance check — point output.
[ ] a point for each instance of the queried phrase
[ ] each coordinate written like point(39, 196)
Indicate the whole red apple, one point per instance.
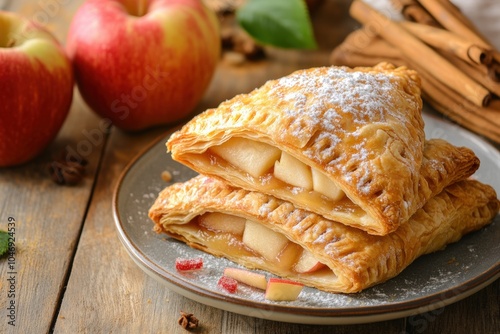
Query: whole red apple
point(36, 89)
point(143, 63)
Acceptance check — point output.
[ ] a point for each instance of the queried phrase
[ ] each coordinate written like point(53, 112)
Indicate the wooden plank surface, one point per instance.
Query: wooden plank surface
point(74, 274)
point(48, 222)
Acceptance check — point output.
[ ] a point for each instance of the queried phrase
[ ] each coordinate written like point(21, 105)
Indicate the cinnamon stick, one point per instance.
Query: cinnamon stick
point(452, 9)
point(420, 54)
point(440, 10)
point(480, 74)
point(362, 41)
point(352, 59)
point(374, 47)
point(414, 12)
point(369, 42)
point(494, 71)
point(468, 117)
point(450, 42)
point(496, 56)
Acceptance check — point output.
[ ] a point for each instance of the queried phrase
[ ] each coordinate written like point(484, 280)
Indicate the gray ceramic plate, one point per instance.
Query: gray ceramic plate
point(431, 282)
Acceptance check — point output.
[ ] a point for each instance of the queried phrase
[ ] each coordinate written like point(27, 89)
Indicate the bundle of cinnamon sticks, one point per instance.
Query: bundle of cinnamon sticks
point(459, 68)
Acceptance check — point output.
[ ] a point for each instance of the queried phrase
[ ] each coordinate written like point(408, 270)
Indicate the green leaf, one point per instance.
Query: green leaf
point(4, 242)
point(281, 23)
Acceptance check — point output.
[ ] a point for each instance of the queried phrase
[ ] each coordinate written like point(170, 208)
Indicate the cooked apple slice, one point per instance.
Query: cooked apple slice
point(253, 157)
point(282, 289)
point(248, 277)
point(307, 263)
point(263, 240)
point(289, 256)
point(325, 186)
point(292, 171)
point(221, 222)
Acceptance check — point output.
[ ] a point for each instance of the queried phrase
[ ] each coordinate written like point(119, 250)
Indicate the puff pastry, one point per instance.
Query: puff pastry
point(350, 259)
point(345, 143)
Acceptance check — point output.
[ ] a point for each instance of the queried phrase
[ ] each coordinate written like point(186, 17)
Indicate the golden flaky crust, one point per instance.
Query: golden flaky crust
point(358, 260)
point(362, 127)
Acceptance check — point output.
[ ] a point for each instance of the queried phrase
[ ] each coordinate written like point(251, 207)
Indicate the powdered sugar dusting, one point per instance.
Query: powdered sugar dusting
point(360, 94)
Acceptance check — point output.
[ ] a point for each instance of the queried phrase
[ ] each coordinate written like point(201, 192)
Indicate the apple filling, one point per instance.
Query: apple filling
point(261, 160)
point(245, 238)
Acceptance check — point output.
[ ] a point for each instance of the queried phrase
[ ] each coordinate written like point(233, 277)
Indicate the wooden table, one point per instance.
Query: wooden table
point(72, 273)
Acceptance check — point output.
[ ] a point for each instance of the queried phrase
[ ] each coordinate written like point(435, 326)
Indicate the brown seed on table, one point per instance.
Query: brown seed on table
point(188, 321)
point(66, 171)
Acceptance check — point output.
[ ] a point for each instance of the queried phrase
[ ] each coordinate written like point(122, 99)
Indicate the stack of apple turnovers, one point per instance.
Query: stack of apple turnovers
point(324, 178)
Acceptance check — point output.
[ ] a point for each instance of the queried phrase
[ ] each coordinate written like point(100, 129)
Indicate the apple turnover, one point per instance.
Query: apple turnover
point(347, 144)
point(260, 231)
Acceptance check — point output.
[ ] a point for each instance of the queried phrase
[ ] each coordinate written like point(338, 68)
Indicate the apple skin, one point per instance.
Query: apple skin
point(146, 67)
point(36, 89)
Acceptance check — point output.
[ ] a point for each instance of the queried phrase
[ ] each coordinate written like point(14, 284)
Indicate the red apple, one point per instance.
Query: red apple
point(36, 89)
point(142, 63)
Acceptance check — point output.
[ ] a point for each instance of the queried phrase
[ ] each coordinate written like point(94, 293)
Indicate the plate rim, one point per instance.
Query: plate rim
point(296, 314)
